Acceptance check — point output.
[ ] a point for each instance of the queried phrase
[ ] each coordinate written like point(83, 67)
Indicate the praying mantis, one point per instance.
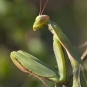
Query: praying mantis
point(61, 46)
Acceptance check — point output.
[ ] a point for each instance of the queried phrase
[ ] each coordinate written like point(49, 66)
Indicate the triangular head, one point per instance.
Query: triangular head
point(40, 22)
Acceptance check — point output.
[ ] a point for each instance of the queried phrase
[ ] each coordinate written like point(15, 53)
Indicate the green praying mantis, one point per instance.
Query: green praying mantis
point(61, 46)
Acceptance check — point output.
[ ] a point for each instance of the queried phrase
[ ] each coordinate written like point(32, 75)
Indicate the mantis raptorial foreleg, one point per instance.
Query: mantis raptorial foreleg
point(30, 64)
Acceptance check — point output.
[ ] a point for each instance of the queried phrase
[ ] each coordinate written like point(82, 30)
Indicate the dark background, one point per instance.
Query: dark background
point(16, 21)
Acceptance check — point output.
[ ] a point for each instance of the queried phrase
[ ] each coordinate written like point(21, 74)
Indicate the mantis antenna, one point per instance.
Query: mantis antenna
point(43, 7)
point(40, 7)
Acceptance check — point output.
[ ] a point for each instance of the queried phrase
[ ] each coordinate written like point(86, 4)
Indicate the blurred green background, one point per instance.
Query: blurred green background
point(16, 21)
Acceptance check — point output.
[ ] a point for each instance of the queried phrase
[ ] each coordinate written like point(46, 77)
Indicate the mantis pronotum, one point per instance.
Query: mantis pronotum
point(37, 68)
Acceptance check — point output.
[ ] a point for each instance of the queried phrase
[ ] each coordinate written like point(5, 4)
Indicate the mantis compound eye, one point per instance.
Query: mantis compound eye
point(41, 19)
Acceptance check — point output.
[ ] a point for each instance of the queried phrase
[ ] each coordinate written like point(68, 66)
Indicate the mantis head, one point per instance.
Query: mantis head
point(40, 22)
